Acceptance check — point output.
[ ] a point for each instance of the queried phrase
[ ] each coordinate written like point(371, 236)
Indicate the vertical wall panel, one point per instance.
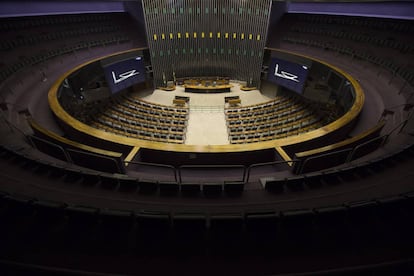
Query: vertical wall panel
point(189, 38)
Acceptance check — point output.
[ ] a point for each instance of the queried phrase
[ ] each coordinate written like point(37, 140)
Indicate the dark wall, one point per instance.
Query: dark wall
point(277, 11)
point(32, 8)
point(137, 13)
point(392, 9)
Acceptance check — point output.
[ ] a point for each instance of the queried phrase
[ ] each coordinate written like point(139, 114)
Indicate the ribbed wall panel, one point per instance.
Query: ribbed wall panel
point(206, 38)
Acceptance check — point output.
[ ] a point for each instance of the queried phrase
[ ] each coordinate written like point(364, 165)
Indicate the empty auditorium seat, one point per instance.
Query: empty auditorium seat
point(128, 185)
point(109, 182)
point(332, 226)
point(298, 226)
point(233, 188)
point(169, 188)
point(295, 183)
point(212, 189)
point(262, 227)
point(153, 230)
point(190, 188)
point(148, 186)
point(190, 231)
point(226, 230)
point(363, 220)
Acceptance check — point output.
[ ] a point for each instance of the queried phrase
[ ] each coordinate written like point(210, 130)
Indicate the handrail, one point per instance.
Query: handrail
point(118, 165)
point(344, 143)
point(216, 108)
point(31, 137)
point(78, 148)
point(72, 143)
point(354, 149)
point(266, 164)
point(11, 125)
point(350, 155)
point(155, 165)
point(402, 124)
point(299, 169)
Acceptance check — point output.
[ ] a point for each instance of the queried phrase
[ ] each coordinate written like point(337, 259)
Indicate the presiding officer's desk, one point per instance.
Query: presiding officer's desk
point(207, 85)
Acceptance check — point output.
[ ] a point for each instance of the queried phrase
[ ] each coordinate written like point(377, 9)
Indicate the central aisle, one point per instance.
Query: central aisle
point(207, 126)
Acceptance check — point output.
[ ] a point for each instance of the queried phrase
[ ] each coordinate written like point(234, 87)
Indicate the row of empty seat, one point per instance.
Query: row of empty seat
point(19, 23)
point(334, 177)
point(134, 118)
point(152, 108)
point(393, 25)
point(122, 183)
point(360, 36)
point(49, 40)
point(406, 72)
point(386, 49)
point(44, 56)
point(130, 130)
point(279, 118)
point(30, 40)
point(374, 219)
point(270, 104)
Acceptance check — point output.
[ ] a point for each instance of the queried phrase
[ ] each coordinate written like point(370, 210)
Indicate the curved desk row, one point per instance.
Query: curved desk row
point(74, 152)
point(203, 88)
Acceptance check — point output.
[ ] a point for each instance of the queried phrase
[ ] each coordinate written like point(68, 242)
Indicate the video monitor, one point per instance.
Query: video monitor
point(125, 73)
point(288, 74)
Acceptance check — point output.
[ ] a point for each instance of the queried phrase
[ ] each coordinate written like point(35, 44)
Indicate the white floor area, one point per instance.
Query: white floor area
point(207, 123)
point(207, 127)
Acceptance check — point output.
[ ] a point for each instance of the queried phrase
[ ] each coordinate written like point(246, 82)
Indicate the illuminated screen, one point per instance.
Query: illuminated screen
point(288, 74)
point(125, 73)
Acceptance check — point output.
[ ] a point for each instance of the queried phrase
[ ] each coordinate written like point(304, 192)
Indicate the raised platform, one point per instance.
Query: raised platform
point(207, 89)
point(207, 85)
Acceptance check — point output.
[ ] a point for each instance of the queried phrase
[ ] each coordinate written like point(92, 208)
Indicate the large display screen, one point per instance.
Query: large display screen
point(125, 73)
point(288, 74)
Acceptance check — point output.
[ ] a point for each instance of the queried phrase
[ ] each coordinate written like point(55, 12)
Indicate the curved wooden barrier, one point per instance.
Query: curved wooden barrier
point(77, 153)
point(334, 154)
point(72, 125)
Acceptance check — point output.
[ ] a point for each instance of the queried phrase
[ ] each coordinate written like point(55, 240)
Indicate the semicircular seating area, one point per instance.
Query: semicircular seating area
point(136, 118)
point(279, 118)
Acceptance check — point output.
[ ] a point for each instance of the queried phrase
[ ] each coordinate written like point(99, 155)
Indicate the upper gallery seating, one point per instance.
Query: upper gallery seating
point(33, 40)
point(32, 45)
point(384, 42)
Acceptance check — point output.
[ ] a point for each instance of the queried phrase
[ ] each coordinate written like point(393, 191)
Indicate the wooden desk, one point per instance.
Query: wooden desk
point(246, 88)
point(168, 88)
point(234, 102)
point(200, 88)
point(178, 102)
point(227, 99)
point(186, 99)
